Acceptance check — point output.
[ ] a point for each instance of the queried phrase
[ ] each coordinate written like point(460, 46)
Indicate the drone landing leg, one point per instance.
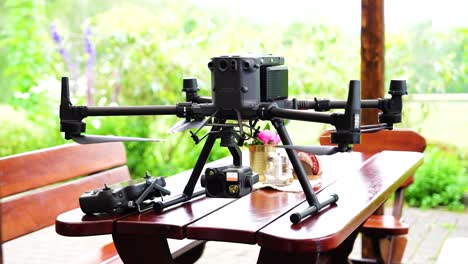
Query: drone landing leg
point(197, 170)
point(236, 154)
point(314, 203)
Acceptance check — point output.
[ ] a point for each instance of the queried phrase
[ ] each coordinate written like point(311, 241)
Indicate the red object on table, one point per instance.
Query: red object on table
point(262, 217)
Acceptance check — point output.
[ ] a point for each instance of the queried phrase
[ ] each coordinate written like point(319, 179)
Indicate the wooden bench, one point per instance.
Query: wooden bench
point(378, 226)
point(37, 186)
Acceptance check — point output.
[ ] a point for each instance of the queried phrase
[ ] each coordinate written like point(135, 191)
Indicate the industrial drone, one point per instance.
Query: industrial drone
point(245, 90)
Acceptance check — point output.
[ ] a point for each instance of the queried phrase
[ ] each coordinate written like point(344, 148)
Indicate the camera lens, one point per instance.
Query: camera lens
point(215, 186)
point(210, 65)
point(246, 65)
point(223, 64)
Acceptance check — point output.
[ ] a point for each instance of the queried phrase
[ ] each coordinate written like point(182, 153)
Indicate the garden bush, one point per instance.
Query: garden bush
point(19, 133)
point(440, 181)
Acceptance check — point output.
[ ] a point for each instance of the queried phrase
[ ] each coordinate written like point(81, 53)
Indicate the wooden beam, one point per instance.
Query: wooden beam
point(372, 55)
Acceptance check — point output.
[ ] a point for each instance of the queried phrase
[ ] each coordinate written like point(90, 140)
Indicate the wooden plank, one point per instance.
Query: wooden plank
point(360, 192)
point(22, 214)
point(39, 168)
point(76, 223)
point(171, 222)
point(240, 220)
point(372, 55)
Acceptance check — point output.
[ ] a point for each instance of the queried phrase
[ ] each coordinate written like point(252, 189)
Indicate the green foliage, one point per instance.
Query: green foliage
point(145, 49)
point(22, 42)
point(430, 61)
point(440, 181)
point(20, 134)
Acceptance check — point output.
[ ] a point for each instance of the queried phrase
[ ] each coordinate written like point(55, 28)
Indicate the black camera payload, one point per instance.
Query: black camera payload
point(228, 181)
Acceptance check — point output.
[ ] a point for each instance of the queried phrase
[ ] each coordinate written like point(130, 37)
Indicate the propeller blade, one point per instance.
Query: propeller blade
point(184, 125)
point(92, 139)
point(316, 150)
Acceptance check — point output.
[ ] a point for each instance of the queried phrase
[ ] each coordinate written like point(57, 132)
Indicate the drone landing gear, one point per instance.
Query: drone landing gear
point(189, 193)
point(314, 204)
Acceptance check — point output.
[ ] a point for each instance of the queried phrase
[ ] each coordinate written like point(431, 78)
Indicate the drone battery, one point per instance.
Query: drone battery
point(274, 83)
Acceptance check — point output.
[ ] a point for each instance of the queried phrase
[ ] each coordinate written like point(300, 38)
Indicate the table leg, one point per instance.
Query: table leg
point(137, 249)
point(337, 255)
point(273, 256)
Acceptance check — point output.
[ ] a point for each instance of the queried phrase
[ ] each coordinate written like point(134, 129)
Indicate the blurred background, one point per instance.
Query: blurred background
point(137, 53)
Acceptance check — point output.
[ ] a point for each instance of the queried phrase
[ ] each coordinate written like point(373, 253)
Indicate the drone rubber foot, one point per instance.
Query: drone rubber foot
point(296, 218)
point(158, 206)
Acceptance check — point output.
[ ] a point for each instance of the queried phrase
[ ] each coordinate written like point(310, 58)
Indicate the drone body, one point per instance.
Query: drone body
point(245, 89)
point(239, 83)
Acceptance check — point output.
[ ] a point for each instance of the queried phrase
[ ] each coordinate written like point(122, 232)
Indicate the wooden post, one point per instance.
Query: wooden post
point(372, 55)
point(372, 73)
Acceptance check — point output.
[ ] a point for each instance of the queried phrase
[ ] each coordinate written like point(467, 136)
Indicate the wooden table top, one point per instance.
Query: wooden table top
point(362, 183)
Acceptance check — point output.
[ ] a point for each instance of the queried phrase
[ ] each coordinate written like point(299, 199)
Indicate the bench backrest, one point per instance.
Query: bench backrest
point(37, 186)
point(397, 139)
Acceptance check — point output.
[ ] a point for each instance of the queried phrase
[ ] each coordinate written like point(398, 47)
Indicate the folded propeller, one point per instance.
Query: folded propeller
point(94, 139)
point(316, 150)
point(187, 124)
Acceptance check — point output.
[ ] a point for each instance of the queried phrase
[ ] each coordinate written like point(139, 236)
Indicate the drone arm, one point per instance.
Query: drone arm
point(130, 110)
point(347, 121)
point(273, 111)
point(391, 107)
point(323, 105)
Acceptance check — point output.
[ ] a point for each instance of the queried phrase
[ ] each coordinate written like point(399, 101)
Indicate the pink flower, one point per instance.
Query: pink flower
point(269, 137)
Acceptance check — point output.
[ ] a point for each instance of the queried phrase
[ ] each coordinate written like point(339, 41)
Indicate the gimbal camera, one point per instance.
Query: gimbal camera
point(245, 89)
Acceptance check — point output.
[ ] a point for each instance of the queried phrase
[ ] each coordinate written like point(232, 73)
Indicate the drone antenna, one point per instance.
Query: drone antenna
point(65, 96)
point(348, 126)
point(353, 104)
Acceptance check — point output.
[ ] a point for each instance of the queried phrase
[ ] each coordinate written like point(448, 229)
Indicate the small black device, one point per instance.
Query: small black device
point(118, 198)
point(228, 181)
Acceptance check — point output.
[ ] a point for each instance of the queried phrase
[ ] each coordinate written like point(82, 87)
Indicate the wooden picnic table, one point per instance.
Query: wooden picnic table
point(362, 182)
